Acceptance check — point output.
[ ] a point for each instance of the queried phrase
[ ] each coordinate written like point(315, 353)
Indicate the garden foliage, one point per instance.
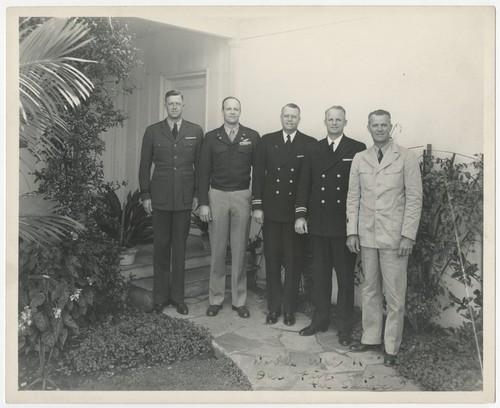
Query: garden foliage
point(134, 340)
point(448, 185)
point(80, 278)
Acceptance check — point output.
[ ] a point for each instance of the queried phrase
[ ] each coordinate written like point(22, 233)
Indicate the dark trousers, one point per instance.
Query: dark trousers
point(329, 253)
point(170, 230)
point(282, 246)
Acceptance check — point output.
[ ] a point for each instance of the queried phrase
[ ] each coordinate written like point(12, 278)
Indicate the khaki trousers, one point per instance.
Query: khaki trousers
point(230, 221)
point(385, 273)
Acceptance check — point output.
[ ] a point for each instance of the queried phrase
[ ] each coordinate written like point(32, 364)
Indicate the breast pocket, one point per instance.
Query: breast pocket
point(162, 151)
point(220, 149)
point(393, 175)
point(245, 148)
point(365, 174)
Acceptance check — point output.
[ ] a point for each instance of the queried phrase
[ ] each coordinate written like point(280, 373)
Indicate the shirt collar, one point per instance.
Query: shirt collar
point(337, 141)
point(384, 148)
point(228, 130)
point(292, 135)
point(171, 123)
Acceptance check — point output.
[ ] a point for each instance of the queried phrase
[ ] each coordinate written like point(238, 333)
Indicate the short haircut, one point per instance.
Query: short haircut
point(290, 105)
point(230, 97)
point(379, 112)
point(174, 92)
point(336, 107)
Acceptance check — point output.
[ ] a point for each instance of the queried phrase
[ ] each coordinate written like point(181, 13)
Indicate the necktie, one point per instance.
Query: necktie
point(332, 150)
point(175, 131)
point(231, 135)
point(380, 155)
point(288, 140)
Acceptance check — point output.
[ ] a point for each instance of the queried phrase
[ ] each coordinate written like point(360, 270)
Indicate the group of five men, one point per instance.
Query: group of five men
point(346, 198)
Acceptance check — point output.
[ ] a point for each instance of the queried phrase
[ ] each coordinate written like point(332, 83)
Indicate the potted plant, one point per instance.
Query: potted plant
point(136, 225)
point(196, 222)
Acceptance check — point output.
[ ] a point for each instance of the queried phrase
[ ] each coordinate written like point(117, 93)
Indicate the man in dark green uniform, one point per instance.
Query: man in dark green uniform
point(170, 194)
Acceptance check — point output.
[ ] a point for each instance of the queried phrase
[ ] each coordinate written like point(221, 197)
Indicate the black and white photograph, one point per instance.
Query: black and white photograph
point(291, 203)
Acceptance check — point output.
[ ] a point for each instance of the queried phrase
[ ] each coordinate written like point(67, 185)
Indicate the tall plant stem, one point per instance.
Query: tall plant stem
point(465, 277)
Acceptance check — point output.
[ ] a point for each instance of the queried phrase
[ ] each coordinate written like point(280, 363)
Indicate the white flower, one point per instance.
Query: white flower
point(76, 295)
point(74, 236)
point(57, 312)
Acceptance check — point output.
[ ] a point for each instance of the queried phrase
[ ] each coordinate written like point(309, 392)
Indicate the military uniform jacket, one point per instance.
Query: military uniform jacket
point(226, 165)
point(385, 199)
point(323, 185)
point(276, 173)
point(173, 183)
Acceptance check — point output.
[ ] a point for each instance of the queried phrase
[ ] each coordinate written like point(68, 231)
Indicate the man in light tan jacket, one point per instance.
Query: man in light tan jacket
point(384, 203)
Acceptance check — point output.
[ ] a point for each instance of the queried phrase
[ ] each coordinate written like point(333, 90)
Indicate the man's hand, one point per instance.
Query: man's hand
point(205, 213)
point(195, 204)
point(301, 226)
point(146, 204)
point(353, 244)
point(258, 216)
point(406, 246)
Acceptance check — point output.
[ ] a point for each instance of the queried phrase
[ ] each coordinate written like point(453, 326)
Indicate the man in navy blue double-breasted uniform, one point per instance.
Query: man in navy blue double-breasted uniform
point(277, 167)
point(321, 212)
point(170, 194)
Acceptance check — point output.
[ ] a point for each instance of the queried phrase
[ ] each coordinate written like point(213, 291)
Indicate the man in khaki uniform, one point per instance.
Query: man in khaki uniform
point(384, 203)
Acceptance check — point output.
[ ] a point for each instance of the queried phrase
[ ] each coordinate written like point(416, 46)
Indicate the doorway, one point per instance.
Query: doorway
point(193, 86)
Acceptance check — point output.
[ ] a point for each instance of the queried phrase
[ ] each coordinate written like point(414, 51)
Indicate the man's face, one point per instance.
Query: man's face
point(335, 122)
point(231, 111)
point(174, 105)
point(380, 128)
point(290, 119)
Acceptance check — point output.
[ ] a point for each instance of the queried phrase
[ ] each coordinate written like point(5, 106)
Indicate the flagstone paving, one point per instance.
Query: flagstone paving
point(275, 357)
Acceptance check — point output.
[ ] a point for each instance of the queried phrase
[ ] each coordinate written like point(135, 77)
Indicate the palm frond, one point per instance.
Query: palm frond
point(39, 222)
point(48, 83)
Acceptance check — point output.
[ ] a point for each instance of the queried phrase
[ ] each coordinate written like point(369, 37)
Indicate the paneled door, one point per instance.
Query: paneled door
point(194, 87)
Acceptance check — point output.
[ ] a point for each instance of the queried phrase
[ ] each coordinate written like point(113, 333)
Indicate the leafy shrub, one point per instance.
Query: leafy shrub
point(441, 359)
point(435, 253)
point(133, 340)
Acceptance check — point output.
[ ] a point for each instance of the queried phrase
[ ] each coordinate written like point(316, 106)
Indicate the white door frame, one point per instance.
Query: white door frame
point(166, 80)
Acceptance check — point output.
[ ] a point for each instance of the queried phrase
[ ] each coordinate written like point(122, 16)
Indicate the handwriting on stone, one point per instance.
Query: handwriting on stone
point(324, 373)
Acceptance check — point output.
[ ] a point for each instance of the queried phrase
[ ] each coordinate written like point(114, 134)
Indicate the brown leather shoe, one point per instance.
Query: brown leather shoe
point(242, 311)
point(360, 347)
point(289, 319)
point(389, 359)
point(312, 330)
point(272, 317)
point(213, 310)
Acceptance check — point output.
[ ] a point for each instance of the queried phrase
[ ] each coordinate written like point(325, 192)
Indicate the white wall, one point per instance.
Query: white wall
point(423, 65)
point(170, 52)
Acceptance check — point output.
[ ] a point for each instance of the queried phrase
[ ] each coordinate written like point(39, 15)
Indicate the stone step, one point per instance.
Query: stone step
point(196, 256)
point(195, 284)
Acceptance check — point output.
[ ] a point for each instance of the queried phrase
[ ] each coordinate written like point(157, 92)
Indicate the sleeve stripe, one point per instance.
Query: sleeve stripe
point(300, 209)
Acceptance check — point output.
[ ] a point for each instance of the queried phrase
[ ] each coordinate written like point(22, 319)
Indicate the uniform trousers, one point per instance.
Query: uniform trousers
point(230, 221)
point(170, 231)
point(282, 246)
point(385, 272)
point(329, 253)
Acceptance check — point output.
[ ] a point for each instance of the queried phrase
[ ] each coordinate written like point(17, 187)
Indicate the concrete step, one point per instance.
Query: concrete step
point(196, 256)
point(195, 284)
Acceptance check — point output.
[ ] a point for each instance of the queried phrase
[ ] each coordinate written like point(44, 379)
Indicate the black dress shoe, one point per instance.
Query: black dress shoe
point(272, 317)
point(213, 310)
point(289, 319)
point(158, 307)
point(242, 311)
point(311, 330)
point(345, 340)
point(360, 347)
point(181, 308)
point(389, 359)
